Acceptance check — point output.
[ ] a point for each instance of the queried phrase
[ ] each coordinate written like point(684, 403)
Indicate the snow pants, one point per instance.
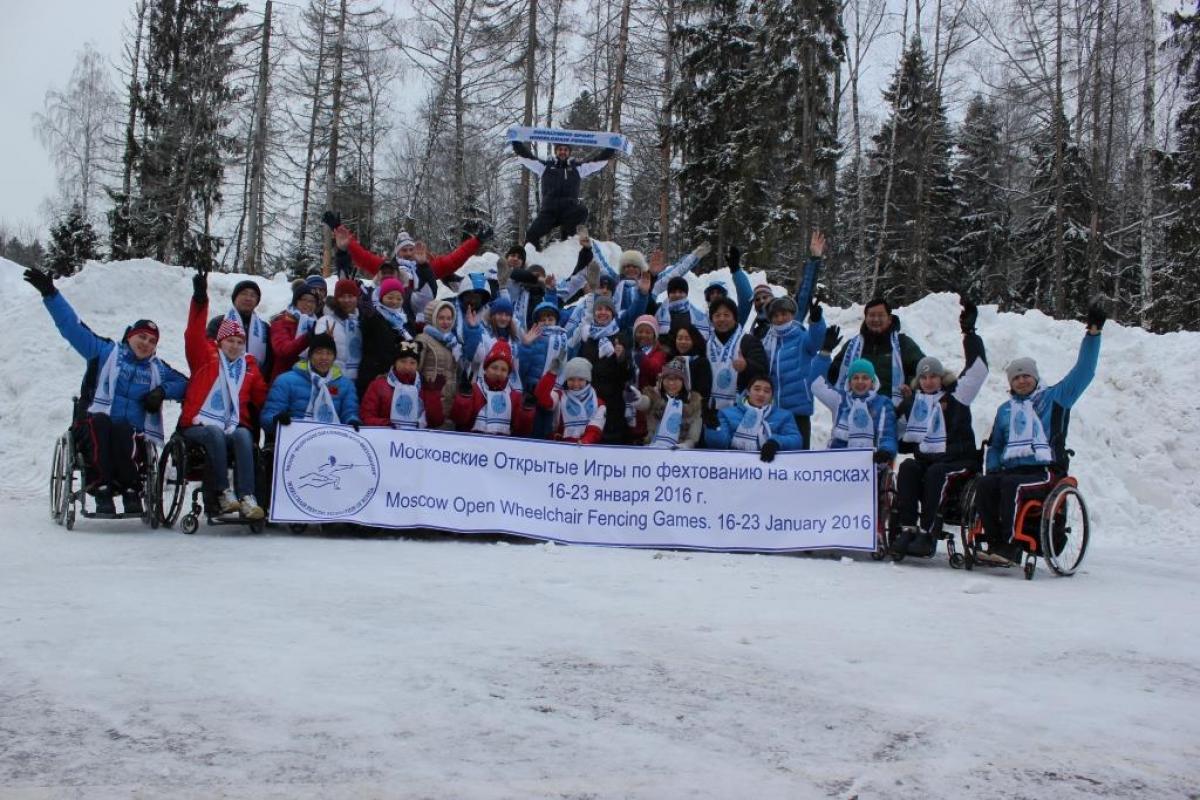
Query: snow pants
point(999, 495)
point(217, 446)
point(569, 217)
point(921, 486)
point(110, 450)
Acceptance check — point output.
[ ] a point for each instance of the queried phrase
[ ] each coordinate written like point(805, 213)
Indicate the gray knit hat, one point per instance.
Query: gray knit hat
point(1022, 366)
point(578, 368)
point(930, 366)
point(781, 304)
point(604, 301)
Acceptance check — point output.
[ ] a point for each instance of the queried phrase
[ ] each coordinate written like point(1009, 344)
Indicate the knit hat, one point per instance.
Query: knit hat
point(243, 286)
point(608, 282)
point(230, 327)
point(302, 290)
point(389, 267)
point(930, 366)
point(518, 251)
point(781, 304)
point(406, 349)
point(724, 301)
point(501, 305)
point(145, 326)
point(322, 341)
point(862, 365)
point(633, 258)
point(403, 239)
point(545, 306)
point(764, 289)
point(500, 352)
point(1022, 366)
point(714, 287)
point(676, 367)
point(646, 319)
point(345, 286)
point(390, 285)
point(677, 284)
point(604, 302)
point(316, 283)
point(577, 368)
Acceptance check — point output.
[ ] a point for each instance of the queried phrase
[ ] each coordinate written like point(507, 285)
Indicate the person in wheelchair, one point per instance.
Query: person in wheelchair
point(217, 410)
point(315, 389)
point(1027, 449)
point(122, 395)
point(940, 437)
point(861, 416)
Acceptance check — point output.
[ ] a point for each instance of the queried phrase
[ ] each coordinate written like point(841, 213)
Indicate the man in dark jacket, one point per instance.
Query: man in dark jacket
point(244, 300)
point(560, 179)
point(893, 354)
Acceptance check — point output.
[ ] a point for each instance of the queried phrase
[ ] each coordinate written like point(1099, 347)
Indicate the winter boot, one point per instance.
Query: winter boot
point(131, 503)
point(105, 507)
point(229, 502)
point(250, 508)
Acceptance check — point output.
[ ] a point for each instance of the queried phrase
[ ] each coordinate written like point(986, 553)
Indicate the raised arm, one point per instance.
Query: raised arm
point(528, 160)
point(78, 335)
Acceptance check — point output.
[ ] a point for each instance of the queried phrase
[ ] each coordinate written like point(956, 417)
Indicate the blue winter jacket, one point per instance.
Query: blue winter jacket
point(782, 424)
point(791, 365)
point(1053, 405)
point(291, 392)
point(133, 382)
point(883, 413)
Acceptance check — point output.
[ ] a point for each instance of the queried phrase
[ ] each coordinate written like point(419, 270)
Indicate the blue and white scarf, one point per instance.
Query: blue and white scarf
point(556, 341)
point(395, 317)
point(304, 322)
point(724, 388)
point(496, 414)
point(577, 408)
point(1026, 436)
point(927, 423)
point(771, 343)
point(320, 402)
point(106, 387)
point(347, 334)
point(448, 338)
point(222, 408)
point(603, 335)
point(854, 351)
point(753, 430)
point(257, 335)
point(855, 426)
point(670, 425)
point(407, 413)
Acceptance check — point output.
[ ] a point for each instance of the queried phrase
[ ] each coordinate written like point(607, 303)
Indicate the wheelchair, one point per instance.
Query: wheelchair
point(1054, 527)
point(68, 482)
point(181, 470)
point(887, 515)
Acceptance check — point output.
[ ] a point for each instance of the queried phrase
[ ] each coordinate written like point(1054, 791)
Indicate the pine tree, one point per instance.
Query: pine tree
point(1177, 289)
point(72, 242)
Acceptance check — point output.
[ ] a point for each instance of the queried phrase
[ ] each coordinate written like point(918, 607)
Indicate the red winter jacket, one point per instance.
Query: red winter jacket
point(205, 365)
point(376, 405)
point(549, 396)
point(284, 344)
point(466, 408)
point(442, 265)
point(652, 364)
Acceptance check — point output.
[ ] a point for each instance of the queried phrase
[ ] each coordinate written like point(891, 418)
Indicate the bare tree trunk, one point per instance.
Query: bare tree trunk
point(460, 24)
point(1099, 179)
point(258, 162)
point(664, 147)
point(1059, 303)
point(135, 97)
point(609, 189)
point(527, 119)
point(306, 194)
point(331, 162)
point(891, 169)
point(1147, 256)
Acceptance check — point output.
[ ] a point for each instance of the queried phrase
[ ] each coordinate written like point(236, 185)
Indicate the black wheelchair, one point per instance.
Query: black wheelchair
point(949, 515)
point(181, 470)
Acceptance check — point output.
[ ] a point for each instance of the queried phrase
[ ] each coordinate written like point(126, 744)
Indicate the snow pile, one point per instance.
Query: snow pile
point(1134, 431)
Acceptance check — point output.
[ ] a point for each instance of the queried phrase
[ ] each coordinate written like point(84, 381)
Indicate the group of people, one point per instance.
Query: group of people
point(609, 355)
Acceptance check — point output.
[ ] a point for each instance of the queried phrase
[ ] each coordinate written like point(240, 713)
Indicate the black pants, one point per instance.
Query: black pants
point(110, 450)
point(569, 217)
point(921, 486)
point(999, 495)
point(804, 423)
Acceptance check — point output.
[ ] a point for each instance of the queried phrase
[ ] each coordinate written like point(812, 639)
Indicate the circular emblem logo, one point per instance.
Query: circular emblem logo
point(673, 424)
point(330, 473)
point(573, 407)
point(1020, 419)
point(726, 379)
point(356, 347)
point(218, 402)
point(920, 412)
point(404, 406)
point(497, 403)
point(861, 418)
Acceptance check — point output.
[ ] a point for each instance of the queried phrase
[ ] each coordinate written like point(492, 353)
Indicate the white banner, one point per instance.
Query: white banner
point(598, 495)
point(602, 139)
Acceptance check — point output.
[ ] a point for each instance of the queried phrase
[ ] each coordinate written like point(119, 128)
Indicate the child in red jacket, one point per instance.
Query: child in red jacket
point(579, 412)
point(488, 405)
point(394, 399)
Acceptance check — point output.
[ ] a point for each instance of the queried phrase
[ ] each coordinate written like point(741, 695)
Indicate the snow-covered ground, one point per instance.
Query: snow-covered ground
point(151, 664)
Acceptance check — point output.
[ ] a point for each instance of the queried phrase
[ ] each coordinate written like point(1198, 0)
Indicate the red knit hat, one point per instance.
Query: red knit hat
point(230, 327)
point(500, 352)
point(345, 286)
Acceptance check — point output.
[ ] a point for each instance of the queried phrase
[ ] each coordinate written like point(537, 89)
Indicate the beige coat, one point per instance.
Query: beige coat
point(652, 404)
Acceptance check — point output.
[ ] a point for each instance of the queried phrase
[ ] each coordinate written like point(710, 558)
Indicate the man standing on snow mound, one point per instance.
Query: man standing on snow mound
point(1027, 449)
point(246, 297)
point(123, 391)
point(561, 177)
point(893, 354)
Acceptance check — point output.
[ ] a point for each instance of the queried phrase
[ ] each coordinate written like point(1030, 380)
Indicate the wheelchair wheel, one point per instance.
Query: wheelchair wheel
point(149, 487)
point(61, 473)
point(971, 526)
point(189, 524)
point(170, 482)
point(886, 516)
point(1064, 529)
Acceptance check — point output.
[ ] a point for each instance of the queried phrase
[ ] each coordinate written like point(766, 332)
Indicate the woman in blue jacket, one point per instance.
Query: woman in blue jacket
point(754, 424)
point(861, 416)
point(123, 392)
point(315, 389)
point(1027, 449)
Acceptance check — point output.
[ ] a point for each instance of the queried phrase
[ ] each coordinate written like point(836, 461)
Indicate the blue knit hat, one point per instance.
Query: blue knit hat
point(501, 305)
point(862, 365)
point(547, 306)
point(316, 282)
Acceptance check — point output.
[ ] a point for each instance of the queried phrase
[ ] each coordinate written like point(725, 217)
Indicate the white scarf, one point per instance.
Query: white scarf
point(496, 414)
point(854, 351)
point(601, 334)
point(106, 386)
point(320, 401)
point(556, 340)
point(407, 414)
point(257, 335)
point(855, 426)
point(347, 334)
point(448, 338)
point(753, 430)
point(670, 425)
point(222, 407)
point(304, 322)
point(927, 424)
point(394, 317)
point(577, 407)
point(724, 388)
point(771, 344)
point(1026, 436)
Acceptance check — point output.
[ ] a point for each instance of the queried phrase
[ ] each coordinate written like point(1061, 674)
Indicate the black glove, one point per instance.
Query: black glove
point(283, 418)
point(484, 233)
point(969, 315)
point(814, 311)
point(356, 425)
point(1096, 316)
point(883, 456)
point(734, 259)
point(331, 219)
point(833, 337)
point(768, 451)
point(709, 417)
point(42, 281)
point(200, 288)
point(153, 400)
point(464, 381)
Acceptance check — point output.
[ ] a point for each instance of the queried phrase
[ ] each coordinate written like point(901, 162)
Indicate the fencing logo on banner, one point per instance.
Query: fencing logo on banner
point(333, 472)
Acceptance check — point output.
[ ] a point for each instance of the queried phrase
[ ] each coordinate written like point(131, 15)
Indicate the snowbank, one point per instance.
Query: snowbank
point(1134, 432)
